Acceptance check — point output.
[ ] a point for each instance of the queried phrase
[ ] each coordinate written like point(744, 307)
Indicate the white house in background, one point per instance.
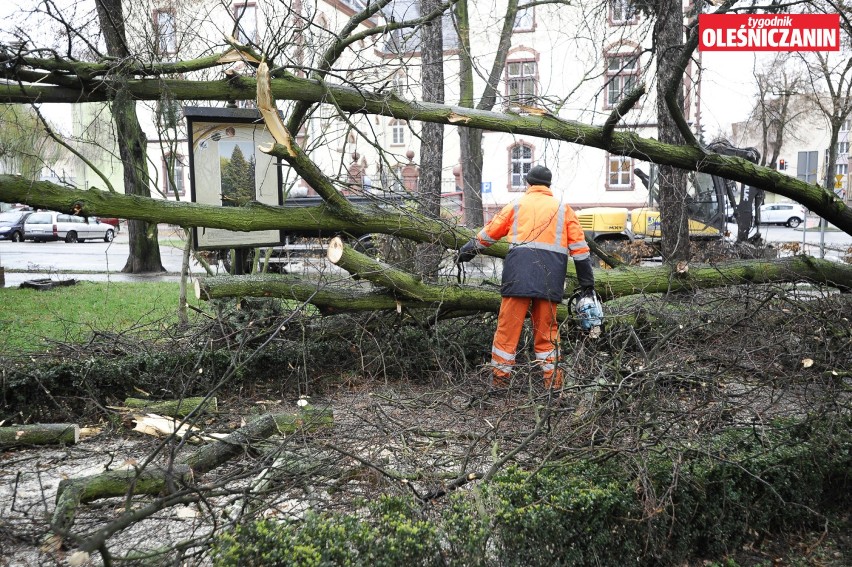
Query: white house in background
point(575, 76)
point(805, 154)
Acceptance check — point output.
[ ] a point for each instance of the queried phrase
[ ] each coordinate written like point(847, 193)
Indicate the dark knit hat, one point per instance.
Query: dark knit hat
point(539, 175)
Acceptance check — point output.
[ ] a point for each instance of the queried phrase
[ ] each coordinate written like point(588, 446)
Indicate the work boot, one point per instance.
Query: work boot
point(553, 380)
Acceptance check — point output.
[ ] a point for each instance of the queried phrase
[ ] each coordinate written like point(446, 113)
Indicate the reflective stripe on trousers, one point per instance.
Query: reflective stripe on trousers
point(510, 323)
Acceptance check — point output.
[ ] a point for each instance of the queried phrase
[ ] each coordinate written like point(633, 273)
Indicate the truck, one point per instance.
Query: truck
point(614, 228)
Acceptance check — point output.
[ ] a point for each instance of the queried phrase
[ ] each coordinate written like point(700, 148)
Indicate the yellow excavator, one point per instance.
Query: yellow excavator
point(707, 195)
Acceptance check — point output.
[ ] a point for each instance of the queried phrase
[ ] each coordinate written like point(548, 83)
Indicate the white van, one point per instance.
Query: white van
point(50, 225)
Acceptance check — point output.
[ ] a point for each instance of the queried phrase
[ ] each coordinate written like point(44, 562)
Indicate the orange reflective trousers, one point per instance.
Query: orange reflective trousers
point(510, 322)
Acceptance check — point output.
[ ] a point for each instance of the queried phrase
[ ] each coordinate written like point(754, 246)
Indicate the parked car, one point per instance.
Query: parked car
point(790, 214)
point(12, 225)
point(50, 225)
point(113, 221)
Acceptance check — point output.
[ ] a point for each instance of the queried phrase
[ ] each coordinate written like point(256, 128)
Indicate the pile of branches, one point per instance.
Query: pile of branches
point(413, 417)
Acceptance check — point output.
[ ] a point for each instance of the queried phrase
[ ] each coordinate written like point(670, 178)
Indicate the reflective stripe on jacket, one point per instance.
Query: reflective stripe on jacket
point(542, 232)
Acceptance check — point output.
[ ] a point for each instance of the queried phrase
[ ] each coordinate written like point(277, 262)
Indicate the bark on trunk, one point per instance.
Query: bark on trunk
point(432, 134)
point(211, 456)
point(668, 33)
point(153, 480)
point(144, 254)
point(173, 408)
point(39, 434)
point(472, 158)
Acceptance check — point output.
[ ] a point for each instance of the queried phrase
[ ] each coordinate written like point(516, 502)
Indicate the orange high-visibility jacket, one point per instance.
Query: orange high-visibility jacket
point(542, 232)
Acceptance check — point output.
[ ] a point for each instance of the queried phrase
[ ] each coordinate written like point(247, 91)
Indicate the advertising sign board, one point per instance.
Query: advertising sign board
point(227, 169)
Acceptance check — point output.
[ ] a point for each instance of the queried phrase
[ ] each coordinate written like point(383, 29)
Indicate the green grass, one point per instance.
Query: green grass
point(32, 321)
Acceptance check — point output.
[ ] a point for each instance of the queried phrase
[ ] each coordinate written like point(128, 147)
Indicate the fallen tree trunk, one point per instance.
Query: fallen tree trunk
point(39, 434)
point(155, 480)
point(400, 289)
point(173, 408)
point(211, 456)
point(311, 220)
point(403, 285)
point(541, 124)
point(306, 221)
point(112, 484)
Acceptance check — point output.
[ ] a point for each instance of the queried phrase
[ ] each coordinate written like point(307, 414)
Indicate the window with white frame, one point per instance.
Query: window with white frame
point(620, 175)
point(622, 76)
point(622, 12)
point(842, 169)
point(520, 162)
point(165, 32)
point(245, 22)
point(842, 148)
point(173, 184)
point(399, 83)
point(845, 126)
point(398, 128)
point(521, 81)
point(524, 20)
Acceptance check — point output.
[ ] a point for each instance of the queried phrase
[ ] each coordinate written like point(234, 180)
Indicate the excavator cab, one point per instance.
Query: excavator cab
point(705, 205)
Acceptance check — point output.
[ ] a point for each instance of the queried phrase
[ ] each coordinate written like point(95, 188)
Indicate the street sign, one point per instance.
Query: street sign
point(486, 187)
point(838, 180)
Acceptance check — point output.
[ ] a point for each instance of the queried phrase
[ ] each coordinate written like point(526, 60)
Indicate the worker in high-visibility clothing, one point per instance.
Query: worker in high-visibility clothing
point(542, 232)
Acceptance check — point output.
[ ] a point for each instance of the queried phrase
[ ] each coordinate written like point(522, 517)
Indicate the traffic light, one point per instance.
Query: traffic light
point(782, 164)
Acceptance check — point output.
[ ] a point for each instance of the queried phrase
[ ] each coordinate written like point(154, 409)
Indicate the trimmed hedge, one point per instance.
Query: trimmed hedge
point(390, 536)
point(741, 482)
point(51, 388)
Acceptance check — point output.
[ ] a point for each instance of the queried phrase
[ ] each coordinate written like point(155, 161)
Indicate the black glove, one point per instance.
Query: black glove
point(467, 252)
point(585, 275)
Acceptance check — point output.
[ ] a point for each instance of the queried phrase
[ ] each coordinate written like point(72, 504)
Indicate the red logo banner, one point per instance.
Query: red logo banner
point(769, 32)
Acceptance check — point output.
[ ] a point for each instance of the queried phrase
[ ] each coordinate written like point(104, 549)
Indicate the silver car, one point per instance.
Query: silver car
point(50, 225)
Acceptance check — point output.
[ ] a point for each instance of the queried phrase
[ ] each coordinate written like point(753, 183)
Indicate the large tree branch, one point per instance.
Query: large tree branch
point(307, 221)
point(813, 197)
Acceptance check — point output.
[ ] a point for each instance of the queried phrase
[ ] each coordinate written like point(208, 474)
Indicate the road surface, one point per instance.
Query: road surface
point(103, 261)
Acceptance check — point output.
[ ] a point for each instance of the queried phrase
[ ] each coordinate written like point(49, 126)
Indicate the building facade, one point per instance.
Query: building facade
point(575, 62)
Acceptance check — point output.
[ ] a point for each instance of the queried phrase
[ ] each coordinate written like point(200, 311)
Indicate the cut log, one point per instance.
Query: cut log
point(173, 408)
point(39, 434)
point(211, 456)
point(161, 426)
point(110, 484)
point(154, 480)
point(404, 285)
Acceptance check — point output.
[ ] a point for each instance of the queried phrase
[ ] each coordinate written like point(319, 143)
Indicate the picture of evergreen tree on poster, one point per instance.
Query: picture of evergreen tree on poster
point(237, 172)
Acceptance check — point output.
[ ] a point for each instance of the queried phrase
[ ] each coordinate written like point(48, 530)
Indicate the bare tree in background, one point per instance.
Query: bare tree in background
point(431, 135)
point(144, 247)
point(779, 107)
point(25, 147)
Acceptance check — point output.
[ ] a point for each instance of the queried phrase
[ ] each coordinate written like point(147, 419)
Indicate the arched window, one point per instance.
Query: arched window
point(520, 162)
point(522, 76)
point(622, 75)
